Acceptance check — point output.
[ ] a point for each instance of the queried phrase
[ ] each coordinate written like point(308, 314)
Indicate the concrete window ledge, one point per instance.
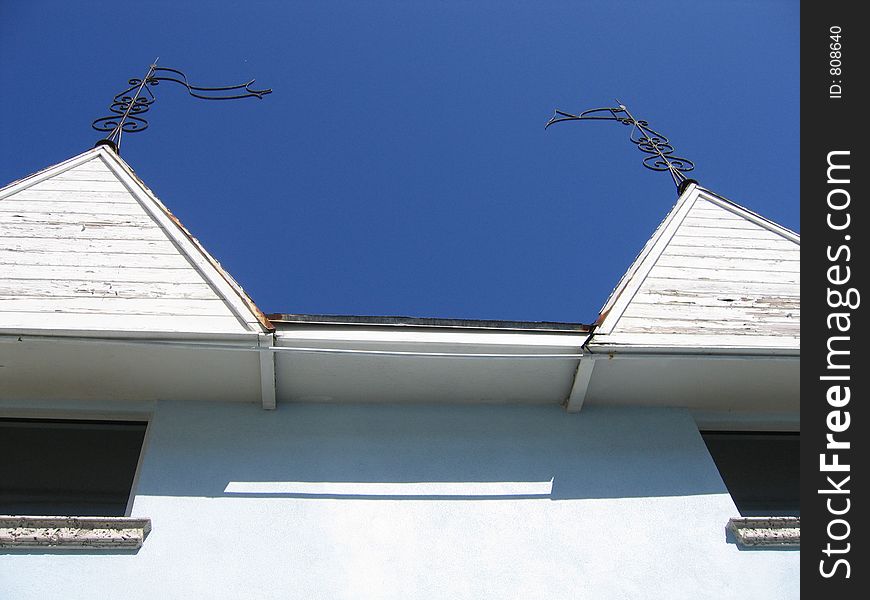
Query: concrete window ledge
point(766, 531)
point(73, 532)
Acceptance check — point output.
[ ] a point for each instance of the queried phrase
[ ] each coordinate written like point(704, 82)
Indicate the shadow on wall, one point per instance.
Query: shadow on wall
point(424, 452)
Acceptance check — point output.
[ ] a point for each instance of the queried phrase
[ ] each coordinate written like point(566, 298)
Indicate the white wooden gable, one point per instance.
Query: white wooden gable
point(714, 277)
point(85, 246)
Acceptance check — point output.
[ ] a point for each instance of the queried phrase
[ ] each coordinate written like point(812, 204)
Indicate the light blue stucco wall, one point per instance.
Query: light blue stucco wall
point(637, 510)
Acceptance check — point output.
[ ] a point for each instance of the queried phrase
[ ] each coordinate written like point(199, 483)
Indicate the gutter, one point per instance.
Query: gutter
point(583, 376)
point(266, 346)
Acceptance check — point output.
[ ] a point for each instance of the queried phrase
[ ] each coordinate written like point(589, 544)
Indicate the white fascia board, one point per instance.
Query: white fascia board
point(60, 335)
point(52, 171)
point(400, 340)
point(646, 345)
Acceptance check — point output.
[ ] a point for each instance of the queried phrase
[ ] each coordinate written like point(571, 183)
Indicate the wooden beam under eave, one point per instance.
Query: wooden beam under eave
point(267, 371)
point(582, 376)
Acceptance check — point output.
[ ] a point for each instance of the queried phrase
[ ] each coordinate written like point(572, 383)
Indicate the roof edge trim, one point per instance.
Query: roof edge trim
point(291, 320)
point(25, 182)
point(226, 286)
point(756, 218)
point(629, 283)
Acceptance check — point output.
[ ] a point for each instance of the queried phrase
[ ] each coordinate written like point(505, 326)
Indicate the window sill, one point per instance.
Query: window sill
point(73, 532)
point(766, 531)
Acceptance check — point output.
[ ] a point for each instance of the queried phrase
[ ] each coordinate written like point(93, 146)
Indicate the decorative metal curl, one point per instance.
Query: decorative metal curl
point(647, 139)
point(129, 105)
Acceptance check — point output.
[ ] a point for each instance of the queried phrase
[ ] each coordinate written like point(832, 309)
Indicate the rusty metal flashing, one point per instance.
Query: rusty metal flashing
point(260, 315)
point(289, 320)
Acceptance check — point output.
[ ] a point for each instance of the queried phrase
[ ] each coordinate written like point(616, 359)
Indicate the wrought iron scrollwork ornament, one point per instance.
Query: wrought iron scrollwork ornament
point(649, 141)
point(129, 105)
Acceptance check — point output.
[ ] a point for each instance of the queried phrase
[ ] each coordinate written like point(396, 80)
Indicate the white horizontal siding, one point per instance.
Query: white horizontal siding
point(723, 299)
point(695, 339)
point(705, 288)
point(111, 322)
point(723, 216)
point(728, 233)
point(698, 271)
point(85, 207)
point(84, 231)
point(78, 186)
point(729, 222)
point(78, 218)
point(92, 258)
point(73, 288)
point(79, 251)
point(730, 326)
point(723, 277)
point(677, 249)
point(691, 325)
point(113, 274)
point(724, 312)
point(77, 246)
point(121, 196)
point(754, 244)
point(89, 171)
point(113, 305)
point(679, 259)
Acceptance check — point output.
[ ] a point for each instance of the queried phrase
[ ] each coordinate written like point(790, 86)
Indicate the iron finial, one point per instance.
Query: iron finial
point(647, 140)
point(129, 105)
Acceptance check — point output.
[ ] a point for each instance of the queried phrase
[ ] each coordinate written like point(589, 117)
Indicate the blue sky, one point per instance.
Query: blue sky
point(401, 165)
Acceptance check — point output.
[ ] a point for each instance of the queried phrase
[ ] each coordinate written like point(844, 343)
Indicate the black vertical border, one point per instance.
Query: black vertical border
point(830, 123)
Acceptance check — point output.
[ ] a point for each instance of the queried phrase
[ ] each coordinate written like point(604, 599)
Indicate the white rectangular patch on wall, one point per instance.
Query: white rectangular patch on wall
point(418, 488)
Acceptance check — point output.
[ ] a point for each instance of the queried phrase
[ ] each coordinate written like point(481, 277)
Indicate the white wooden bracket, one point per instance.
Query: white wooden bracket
point(266, 341)
point(582, 376)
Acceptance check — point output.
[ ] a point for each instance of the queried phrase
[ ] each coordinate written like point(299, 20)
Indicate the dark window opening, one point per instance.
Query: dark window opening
point(68, 468)
point(760, 470)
